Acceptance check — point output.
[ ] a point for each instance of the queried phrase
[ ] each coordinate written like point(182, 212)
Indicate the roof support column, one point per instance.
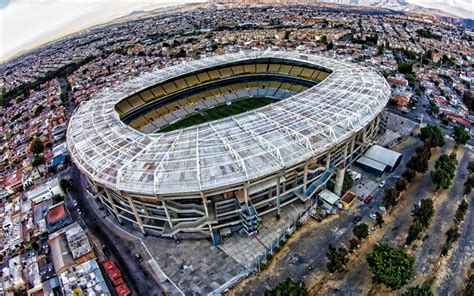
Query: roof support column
point(278, 194)
point(305, 176)
point(108, 193)
point(351, 157)
point(135, 213)
point(246, 195)
point(167, 212)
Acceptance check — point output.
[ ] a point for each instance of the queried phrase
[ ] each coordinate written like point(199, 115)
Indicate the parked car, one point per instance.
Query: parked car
point(139, 257)
point(357, 219)
point(382, 209)
point(382, 184)
point(368, 199)
point(74, 202)
point(105, 250)
point(373, 216)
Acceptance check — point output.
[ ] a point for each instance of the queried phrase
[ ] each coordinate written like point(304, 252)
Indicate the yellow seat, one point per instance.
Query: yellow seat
point(181, 83)
point(170, 87)
point(274, 68)
point(238, 69)
point(262, 68)
point(192, 80)
point(306, 73)
point(225, 72)
point(296, 71)
point(249, 68)
point(123, 106)
point(322, 75)
point(285, 69)
point(147, 96)
point(214, 74)
point(158, 91)
point(135, 101)
point(203, 77)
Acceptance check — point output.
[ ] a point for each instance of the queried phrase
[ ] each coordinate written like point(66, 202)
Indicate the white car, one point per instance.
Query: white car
point(373, 216)
point(74, 202)
point(382, 209)
point(382, 184)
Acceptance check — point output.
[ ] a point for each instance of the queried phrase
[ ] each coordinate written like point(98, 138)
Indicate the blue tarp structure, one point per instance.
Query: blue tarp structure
point(60, 159)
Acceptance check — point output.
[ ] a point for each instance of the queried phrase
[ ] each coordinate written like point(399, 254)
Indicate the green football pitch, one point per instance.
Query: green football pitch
point(220, 112)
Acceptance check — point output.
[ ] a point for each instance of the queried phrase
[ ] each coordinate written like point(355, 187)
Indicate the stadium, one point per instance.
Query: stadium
point(218, 143)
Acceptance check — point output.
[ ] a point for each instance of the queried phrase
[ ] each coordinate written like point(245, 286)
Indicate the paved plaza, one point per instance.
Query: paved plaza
point(245, 250)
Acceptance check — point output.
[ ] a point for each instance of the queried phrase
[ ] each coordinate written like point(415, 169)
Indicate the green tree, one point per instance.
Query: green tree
point(401, 184)
point(423, 290)
point(461, 211)
point(390, 198)
point(337, 259)
point(414, 232)
point(37, 146)
point(444, 171)
point(469, 184)
point(424, 212)
point(409, 174)
point(390, 266)
point(405, 67)
point(290, 288)
point(470, 166)
point(347, 183)
point(433, 136)
point(461, 136)
point(354, 244)
point(379, 220)
point(361, 231)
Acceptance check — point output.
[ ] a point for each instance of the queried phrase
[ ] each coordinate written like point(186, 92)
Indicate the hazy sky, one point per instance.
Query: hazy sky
point(28, 23)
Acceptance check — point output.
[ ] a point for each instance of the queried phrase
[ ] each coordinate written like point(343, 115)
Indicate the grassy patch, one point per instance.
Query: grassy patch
point(220, 112)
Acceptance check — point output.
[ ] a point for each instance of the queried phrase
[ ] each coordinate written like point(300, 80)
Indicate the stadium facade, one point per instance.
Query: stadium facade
point(229, 173)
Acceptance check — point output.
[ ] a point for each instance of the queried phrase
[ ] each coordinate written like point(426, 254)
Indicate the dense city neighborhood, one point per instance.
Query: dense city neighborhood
point(53, 237)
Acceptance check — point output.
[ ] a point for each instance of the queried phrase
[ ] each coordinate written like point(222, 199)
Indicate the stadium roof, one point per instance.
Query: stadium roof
point(229, 151)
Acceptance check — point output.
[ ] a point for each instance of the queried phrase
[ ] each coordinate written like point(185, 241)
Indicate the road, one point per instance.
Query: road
point(136, 274)
point(458, 264)
point(310, 249)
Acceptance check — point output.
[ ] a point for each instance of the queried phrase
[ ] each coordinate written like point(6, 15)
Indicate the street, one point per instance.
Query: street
point(121, 248)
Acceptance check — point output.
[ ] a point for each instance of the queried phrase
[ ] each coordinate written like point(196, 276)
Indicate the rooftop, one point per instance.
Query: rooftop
point(228, 151)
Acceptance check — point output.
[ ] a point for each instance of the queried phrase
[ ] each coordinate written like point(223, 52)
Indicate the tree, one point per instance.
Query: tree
point(433, 136)
point(405, 67)
point(347, 183)
point(470, 166)
point(401, 184)
point(469, 184)
point(424, 212)
point(37, 160)
point(289, 287)
point(424, 290)
point(390, 197)
point(461, 136)
point(361, 231)
point(379, 220)
point(354, 244)
point(409, 174)
point(390, 266)
point(419, 163)
point(414, 232)
point(444, 171)
point(337, 259)
point(36, 146)
point(461, 211)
